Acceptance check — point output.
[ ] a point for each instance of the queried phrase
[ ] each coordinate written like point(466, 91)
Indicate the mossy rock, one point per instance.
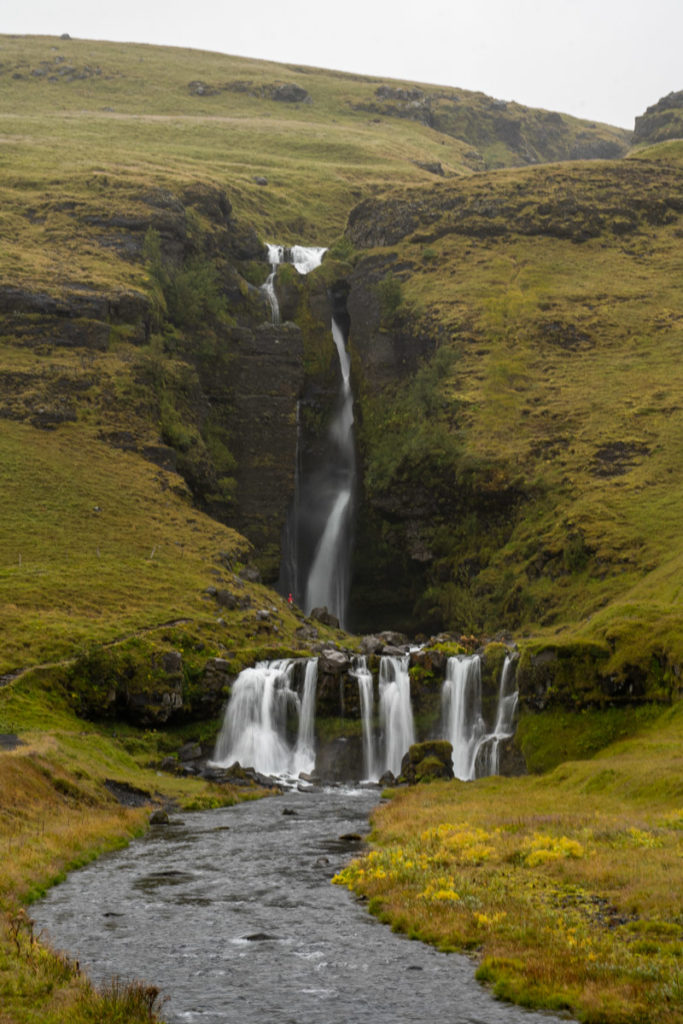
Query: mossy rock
point(427, 761)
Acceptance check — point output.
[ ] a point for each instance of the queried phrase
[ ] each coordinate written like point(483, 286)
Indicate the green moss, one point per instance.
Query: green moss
point(551, 737)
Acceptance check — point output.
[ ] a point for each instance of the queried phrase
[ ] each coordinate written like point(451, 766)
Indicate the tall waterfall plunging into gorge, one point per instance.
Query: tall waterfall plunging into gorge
point(327, 584)
point(316, 542)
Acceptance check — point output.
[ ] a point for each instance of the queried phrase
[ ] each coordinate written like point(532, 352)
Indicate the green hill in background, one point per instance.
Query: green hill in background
point(512, 285)
point(511, 279)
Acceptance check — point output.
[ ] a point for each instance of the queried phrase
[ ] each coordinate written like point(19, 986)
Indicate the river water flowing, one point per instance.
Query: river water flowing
point(232, 914)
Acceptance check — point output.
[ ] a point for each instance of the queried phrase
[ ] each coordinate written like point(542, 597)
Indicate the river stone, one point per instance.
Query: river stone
point(159, 817)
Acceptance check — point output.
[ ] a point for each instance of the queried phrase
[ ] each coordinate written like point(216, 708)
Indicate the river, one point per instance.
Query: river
point(232, 914)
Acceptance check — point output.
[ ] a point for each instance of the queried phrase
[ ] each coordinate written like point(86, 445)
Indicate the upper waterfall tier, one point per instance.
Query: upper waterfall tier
point(303, 258)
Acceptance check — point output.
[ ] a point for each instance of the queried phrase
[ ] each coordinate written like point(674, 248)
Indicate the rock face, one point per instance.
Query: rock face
point(225, 417)
point(577, 676)
point(266, 381)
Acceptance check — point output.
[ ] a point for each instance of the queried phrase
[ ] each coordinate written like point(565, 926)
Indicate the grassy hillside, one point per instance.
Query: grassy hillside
point(516, 326)
point(524, 472)
point(535, 456)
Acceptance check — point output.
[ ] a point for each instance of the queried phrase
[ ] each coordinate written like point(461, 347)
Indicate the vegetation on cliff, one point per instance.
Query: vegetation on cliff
point(528, 460)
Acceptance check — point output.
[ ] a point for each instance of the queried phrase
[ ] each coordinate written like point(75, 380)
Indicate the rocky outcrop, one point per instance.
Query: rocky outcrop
point(552, 203)
point(579, 675)
point(661, 122)
point(500, 133)
point(281, 92)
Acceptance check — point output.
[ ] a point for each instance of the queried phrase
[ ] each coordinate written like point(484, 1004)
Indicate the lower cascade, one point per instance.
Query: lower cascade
point(270, 719)
point(257, 721)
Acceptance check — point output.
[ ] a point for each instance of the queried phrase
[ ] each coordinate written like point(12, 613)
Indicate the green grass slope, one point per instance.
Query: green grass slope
point(542, 440)
point(544, 437)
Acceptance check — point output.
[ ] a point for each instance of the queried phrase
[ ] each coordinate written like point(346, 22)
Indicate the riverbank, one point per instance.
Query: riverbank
point(70, 791)
point(565, 887)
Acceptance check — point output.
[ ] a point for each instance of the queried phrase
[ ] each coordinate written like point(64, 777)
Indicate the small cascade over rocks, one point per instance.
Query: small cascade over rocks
point(488, 759)
point(395, 712)
point(463, 723)
point(259, 718)
point(367, 709)
point(303, 258)
point(270, 720)
point(475, 750)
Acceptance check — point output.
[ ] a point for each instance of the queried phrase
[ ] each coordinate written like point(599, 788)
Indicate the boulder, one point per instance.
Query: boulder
point(390, 638)
point(290, 93)
point(371, 645)
point(427, 761)
point(327, 618)
point(190, 752)
point(159, 817)
point(333, 662)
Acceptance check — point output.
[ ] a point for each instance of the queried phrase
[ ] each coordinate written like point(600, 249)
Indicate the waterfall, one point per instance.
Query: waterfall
point(476, 751)
point(395, 711)
point(304, 752)
point(257, 720)
point(463, 722)
point(367, 707)
point(269, 722)
point(489, 755)
point(274, 258)
point(316, 543)
point(303, 258)
point(328, 578)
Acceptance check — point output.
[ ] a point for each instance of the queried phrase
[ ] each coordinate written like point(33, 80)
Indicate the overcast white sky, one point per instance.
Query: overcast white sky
point(606, 60)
